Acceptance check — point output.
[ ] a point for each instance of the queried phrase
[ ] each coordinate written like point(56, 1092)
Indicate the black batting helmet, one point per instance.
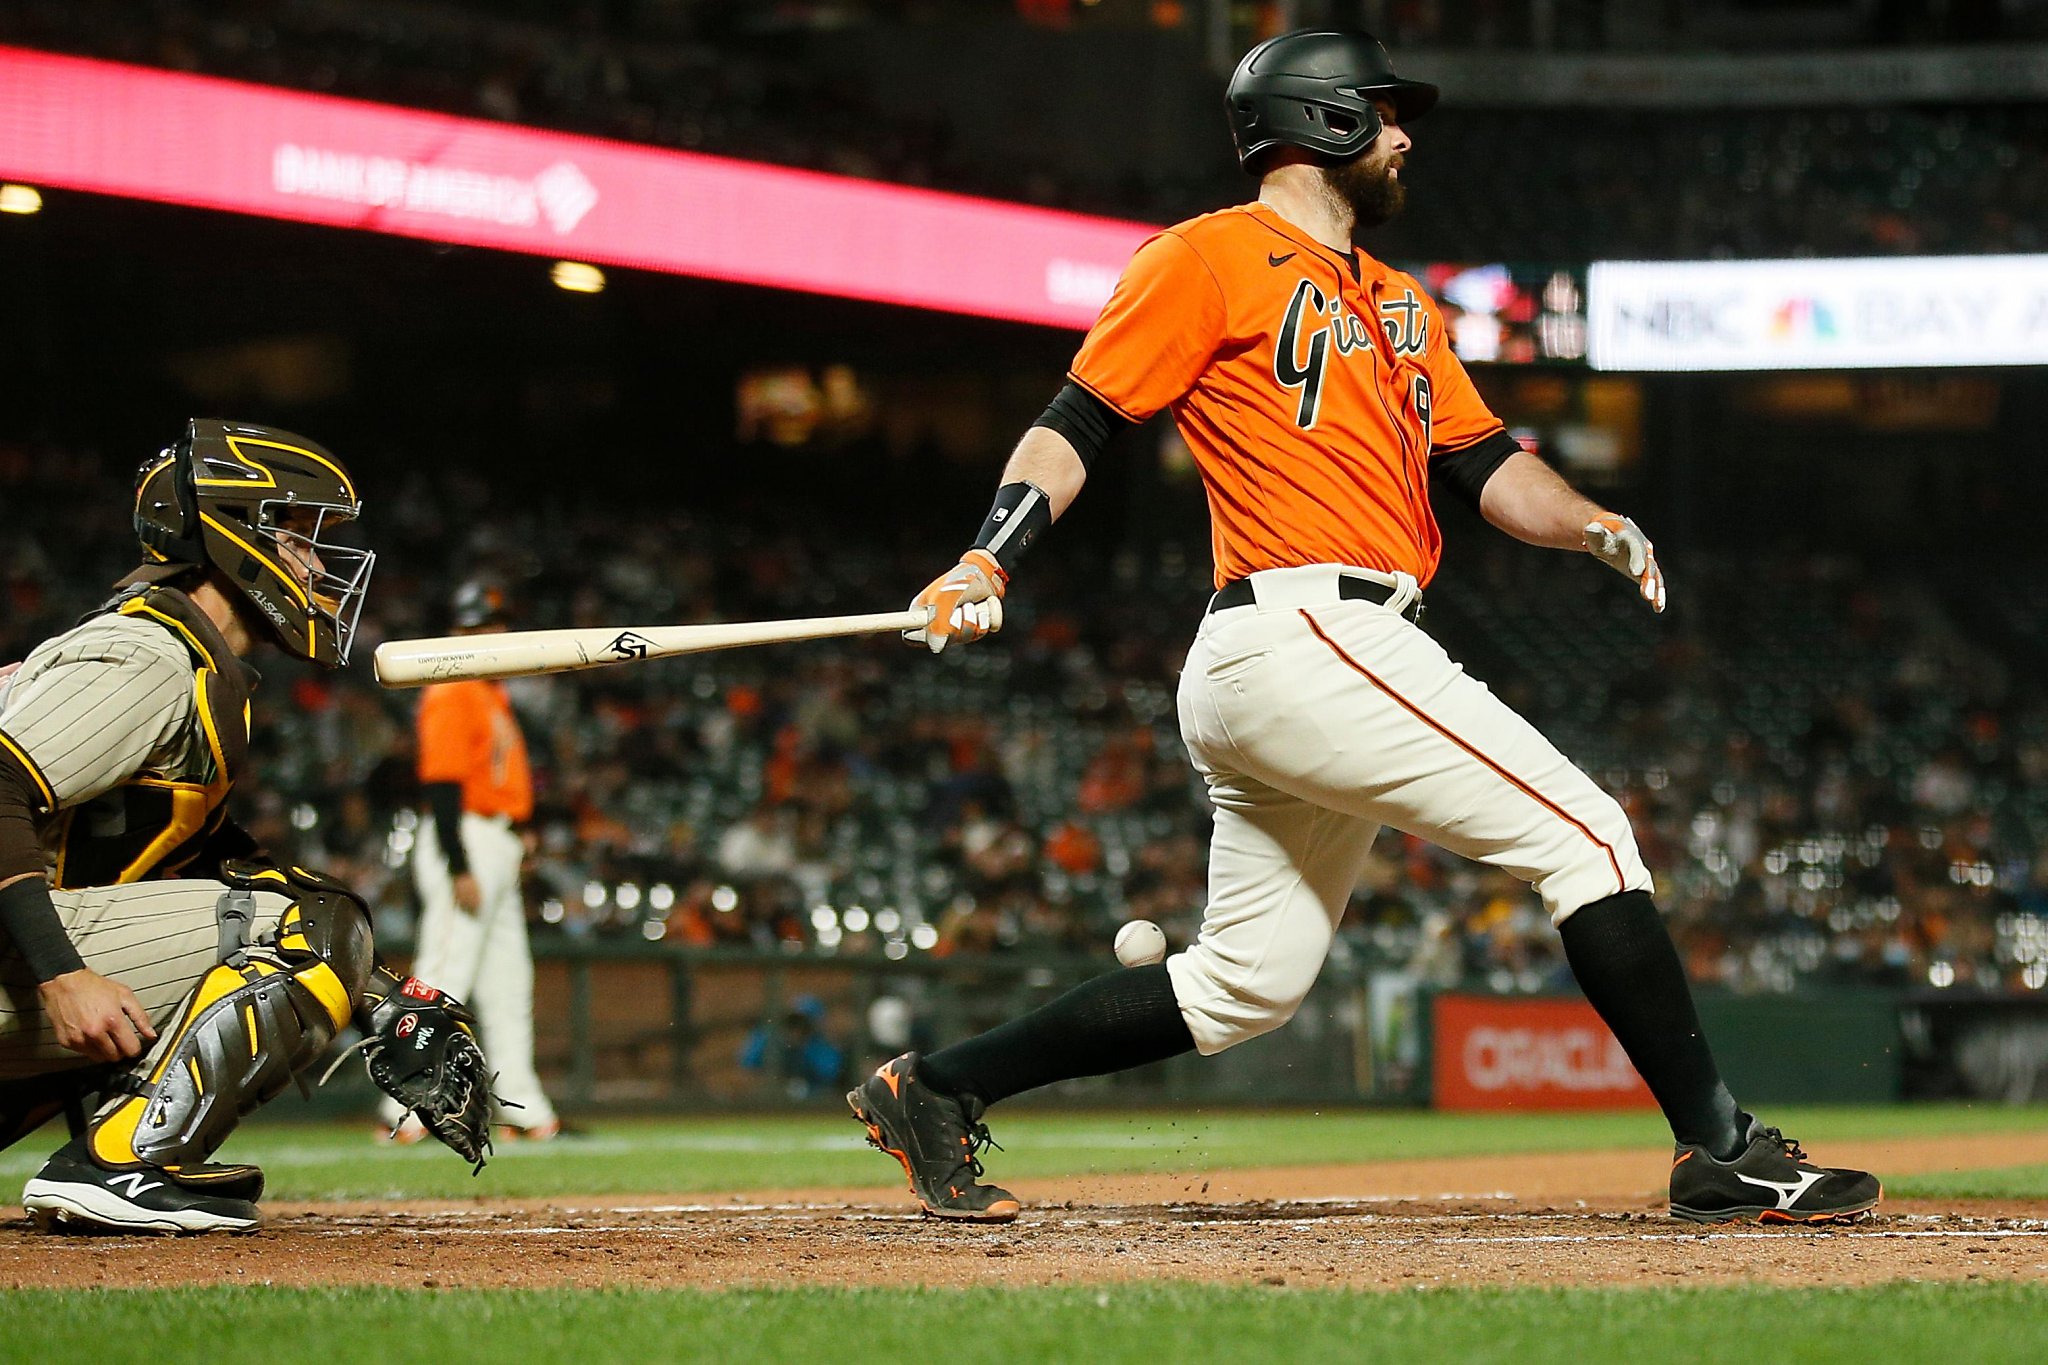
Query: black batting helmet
point(1314, 89)
point(244, 500)
point(477, 604)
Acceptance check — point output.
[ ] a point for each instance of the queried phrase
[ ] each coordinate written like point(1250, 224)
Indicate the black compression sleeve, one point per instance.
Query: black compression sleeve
point(27, 918)
point(22, 795)
point(1465, 472)
point(29, 921)
point(1086, 421)
point(444, 799)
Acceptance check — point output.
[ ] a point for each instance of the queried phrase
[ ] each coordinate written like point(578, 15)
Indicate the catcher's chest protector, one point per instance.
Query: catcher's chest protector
point(154, 824)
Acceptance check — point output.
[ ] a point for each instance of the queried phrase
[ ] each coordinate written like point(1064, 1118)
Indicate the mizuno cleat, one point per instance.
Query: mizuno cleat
point(1769, 1181)
point(938, 1138)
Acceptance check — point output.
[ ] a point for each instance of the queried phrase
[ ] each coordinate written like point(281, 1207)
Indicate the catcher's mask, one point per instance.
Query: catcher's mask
point(259, 505)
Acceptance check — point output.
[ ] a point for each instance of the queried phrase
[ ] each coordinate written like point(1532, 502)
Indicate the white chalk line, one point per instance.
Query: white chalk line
point(269, 1153)
point(659, 1233)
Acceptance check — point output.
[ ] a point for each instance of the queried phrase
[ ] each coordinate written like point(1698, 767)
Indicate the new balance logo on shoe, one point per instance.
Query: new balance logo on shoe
point(135, 1182)
point(1788, 1191)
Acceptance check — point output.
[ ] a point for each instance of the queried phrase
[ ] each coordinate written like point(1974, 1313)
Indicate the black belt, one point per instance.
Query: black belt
point(1350, 587)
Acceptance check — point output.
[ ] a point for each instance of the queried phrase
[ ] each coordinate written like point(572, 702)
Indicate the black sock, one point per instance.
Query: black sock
point(1626, 964)
point(1110, 1023)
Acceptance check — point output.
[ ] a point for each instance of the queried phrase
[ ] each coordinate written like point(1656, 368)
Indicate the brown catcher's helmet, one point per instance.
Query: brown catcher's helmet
point(251, 502)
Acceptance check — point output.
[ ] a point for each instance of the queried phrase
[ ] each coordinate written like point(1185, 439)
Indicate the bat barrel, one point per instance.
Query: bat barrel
point(517, 654)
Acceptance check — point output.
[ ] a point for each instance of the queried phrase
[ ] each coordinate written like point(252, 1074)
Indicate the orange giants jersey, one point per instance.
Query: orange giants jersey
point(469, 735)
point(1313, 388)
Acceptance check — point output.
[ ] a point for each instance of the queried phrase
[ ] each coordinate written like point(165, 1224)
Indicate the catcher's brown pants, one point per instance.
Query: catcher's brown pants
point(156, 938)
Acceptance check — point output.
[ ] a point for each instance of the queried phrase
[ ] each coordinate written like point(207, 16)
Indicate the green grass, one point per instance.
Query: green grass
point(2000, 1182)
point(1183, 1324)
point(700, 1156)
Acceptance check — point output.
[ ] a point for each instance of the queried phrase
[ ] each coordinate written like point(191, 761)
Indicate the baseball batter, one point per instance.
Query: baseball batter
point(152, 962)
point(472, 934)
point(1323, 402)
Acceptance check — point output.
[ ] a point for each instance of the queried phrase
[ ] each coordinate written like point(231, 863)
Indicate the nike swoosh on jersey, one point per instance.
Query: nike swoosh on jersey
point(1788, 1192)
point(1278, 260)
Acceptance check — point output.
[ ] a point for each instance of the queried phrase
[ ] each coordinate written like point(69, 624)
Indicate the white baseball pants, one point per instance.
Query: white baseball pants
point(1315, 720)
point(484, 959)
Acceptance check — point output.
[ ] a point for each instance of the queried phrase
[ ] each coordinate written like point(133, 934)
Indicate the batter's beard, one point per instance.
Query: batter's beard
point(1368, 186)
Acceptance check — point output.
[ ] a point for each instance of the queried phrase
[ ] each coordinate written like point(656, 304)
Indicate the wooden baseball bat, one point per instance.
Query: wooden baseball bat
point(522, 653)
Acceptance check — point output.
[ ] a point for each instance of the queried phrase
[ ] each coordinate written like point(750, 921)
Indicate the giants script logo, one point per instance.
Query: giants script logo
point(1313, 326)
point(627, 645)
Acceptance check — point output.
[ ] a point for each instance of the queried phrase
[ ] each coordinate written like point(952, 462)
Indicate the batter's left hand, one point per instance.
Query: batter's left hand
point(965, 603)
point(1621, 545)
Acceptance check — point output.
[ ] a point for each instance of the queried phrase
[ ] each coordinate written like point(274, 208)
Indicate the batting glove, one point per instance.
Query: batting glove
point(1621, 545)
point(965, 603)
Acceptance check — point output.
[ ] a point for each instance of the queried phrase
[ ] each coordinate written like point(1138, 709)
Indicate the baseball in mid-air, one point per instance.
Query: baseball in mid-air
point(1140, 943)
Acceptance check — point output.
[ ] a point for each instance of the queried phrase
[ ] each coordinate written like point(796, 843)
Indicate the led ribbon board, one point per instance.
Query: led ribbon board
point(146, 134)
point(1878, 312)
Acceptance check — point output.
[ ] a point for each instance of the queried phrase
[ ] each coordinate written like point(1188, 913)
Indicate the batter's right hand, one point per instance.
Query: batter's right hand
point(1621, 545)
point(469, 897)
point(965, 602)
point(98, 1018)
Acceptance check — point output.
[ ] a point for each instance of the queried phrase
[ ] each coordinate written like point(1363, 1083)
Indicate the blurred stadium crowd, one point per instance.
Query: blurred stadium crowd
point(1837, 774)
point(1902, 179)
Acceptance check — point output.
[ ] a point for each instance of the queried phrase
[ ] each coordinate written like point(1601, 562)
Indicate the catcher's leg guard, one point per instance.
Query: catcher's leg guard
point(254, 1022)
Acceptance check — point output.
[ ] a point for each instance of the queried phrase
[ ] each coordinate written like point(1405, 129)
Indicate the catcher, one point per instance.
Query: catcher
point(152, 962)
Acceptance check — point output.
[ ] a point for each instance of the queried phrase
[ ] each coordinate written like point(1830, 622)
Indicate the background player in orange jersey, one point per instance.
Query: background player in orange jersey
point(479, 792)
point(1321, 397)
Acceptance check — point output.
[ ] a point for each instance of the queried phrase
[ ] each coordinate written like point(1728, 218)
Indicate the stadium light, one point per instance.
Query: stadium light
point(20, 199)
point(576, 277)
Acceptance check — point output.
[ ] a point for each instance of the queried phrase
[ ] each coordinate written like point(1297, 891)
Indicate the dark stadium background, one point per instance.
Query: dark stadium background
point(1835, 745)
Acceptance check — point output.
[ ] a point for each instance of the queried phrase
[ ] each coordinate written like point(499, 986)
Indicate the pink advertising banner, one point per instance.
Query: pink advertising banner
point(157, 135)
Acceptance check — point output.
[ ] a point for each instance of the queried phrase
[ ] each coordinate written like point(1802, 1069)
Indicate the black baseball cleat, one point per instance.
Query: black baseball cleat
point(937, 1138)
point(72, 1189)
point(1768, 1181)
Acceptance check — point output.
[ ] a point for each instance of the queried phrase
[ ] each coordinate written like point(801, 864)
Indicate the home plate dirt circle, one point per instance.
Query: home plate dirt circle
point(1579, 1218)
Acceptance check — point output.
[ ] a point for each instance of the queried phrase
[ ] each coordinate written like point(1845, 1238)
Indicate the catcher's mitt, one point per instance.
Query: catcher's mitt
point(422, 1051)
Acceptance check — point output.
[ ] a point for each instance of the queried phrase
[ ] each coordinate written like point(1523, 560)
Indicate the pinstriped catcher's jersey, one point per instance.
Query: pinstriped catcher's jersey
point(1313, 388)
point(133, 725)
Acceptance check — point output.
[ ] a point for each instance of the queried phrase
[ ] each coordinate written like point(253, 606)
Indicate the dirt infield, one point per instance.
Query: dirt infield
point(1579, 1218)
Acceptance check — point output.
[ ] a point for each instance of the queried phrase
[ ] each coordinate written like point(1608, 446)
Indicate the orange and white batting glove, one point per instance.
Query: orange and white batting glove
point(1621, 545)
point(966, 603)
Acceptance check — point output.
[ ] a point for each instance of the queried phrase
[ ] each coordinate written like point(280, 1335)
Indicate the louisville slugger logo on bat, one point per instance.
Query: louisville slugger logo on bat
point(628, 645)
point(519, 654)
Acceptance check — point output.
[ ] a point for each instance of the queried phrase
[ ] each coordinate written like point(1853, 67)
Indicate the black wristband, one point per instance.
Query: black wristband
point(1021, 511)
point(444, 800)
point(29, 918)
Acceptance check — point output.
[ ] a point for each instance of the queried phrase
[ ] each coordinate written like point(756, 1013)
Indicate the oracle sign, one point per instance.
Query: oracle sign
point(158, 135)
point(1875, 313)
point(1505, 1052)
